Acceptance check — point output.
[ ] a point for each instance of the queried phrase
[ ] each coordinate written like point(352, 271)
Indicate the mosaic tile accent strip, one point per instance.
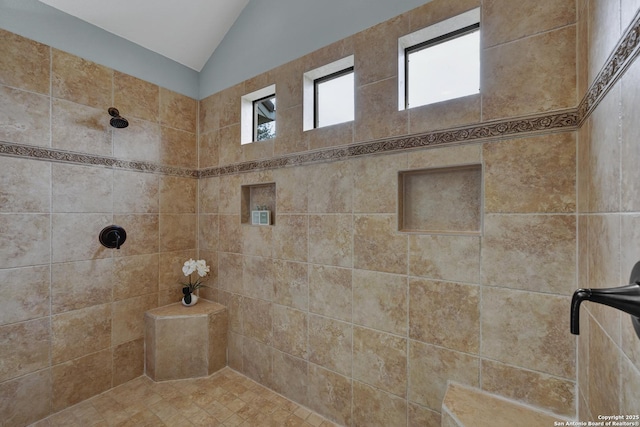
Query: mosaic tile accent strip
point(623, 55)
point(48, 154)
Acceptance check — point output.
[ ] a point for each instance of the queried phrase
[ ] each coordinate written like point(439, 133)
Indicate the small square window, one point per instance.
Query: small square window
point(264, 118)
point(443, 68)
point(334, 98)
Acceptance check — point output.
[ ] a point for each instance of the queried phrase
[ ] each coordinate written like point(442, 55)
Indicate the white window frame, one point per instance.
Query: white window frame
point(308, 88)
point(428, 33)
point(246, 112)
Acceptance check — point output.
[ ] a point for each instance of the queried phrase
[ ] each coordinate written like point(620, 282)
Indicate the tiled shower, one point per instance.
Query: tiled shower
point(334, 306)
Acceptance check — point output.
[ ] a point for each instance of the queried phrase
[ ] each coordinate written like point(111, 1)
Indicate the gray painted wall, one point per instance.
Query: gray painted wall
point(45, 24)
point(269, 33)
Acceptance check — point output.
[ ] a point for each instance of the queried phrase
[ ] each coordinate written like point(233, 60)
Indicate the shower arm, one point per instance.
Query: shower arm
point(624, 298)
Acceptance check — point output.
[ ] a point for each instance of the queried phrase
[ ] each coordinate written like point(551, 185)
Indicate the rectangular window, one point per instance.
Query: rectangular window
point(334, 98)
point(264, 118)
point(440, 62)
point(443, 68)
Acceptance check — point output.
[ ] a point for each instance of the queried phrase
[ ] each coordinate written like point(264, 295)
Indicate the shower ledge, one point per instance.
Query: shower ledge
point(464, 406)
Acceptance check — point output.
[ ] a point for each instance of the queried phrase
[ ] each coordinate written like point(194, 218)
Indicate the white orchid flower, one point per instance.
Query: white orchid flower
point(202, 267)
point(189, 267)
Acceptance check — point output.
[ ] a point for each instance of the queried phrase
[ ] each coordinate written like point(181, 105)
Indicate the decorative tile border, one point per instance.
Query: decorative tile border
point(49, 154)
point(624, 54)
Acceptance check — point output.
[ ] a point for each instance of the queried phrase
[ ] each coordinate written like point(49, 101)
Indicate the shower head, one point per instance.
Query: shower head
point(117, 121)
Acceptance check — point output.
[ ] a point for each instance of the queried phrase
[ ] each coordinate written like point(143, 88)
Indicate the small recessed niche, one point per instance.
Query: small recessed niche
point(441, 200)
point(258, 198)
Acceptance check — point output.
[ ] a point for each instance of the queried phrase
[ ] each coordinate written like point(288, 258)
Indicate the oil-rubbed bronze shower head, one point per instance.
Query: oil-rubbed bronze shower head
point(116, 120)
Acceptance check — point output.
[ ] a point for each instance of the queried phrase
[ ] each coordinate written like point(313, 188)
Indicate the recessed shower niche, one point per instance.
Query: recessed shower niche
point(441, 200)
point(260, 200)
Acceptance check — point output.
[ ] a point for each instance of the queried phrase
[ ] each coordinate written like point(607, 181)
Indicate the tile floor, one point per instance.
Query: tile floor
point(224, 399)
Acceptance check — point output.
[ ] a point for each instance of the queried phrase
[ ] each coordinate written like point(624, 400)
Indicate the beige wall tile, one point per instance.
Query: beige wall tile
point(291, 190)
point(209, 149)
point(330, 394)
point(289, 137)
point(24, 240)
point(230, 231)
point(135, 192)
point(530, 174)
point(630, 380)
point(604, 372)
point(142, 236)
point(25, 347)
point(142, 141)
point(532, 388)
point(229, 148)
point(535, 17)
point(329, 136)
point(381, 62)
point(380, 360)
point(177, 231)
point(445, 257)
point(439, 365)
point(445, 314)
point(290, 284)
point(257, 240)
point(230, 194)
point(178, 194)
point(81, 284)
point(136, 98)
point(178, 148)
point(208, 194)
point(80, 128)
point(256, 361)
point(330, 291)
point(257, 277)
point(208, 232)
point(511, 83)
point(377, 114)
point(170, 275)
point(80, 332)
point(290, 237)
point(26, 63)
point(290, 377)
point(630, 149)
point(128, 318)
point(438, 10)
point(532, 252)
point(375, 181)
point(26, 399)
point(330, 187)
point(135, 275)
point(80, 379)
point(74, 236)
point(257, 317)
point(26, 185)
point(235, 352)
point(446, 114)
point(380, 301)
point(178, 111)
point(604, 155)
point(81, 188)
point(17, 304)
point(604, 32)
point(330, 343)
point(290, 331)
point(209, 113)
point(79, 80)
point(230, 272)
point(330, 240)
point(229, 105)
point(24, 117)
point(176, 336)
point(377, 245)
point(582, 54)
point(525, 329)
point(128, 361)
point(373, 407)
point(438, 157)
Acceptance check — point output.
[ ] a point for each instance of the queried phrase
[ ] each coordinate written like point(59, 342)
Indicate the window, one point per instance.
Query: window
point(440, 62)
point(334, 98)
point(264, 118)
point(329, 94)
point(258, 115)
